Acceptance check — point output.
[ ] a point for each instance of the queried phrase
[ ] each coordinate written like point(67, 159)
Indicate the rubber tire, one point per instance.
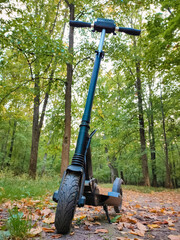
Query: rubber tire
point(68, 196)
point(117, 188)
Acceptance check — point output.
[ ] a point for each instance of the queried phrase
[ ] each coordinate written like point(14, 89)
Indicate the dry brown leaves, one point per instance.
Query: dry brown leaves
point(136, 219)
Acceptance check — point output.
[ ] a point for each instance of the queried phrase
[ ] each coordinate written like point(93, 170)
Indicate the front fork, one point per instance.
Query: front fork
point(85, 170)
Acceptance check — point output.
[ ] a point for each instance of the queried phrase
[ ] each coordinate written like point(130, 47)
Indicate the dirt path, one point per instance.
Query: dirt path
point(144, 216)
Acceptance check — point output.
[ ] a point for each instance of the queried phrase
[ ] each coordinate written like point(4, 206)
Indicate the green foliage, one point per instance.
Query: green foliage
point(142, 188)
point(17, 225)
point(17, 187)
point(31, 44)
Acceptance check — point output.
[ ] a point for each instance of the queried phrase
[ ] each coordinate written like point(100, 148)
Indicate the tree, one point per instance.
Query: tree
point(67, 128)
point(33, 36)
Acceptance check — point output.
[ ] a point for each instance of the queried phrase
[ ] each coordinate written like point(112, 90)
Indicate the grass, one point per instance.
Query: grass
point(141, 188)
point(18, 187)
point(16, 225)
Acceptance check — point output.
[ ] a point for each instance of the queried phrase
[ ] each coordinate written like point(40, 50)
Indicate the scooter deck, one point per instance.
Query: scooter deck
point(112, 199)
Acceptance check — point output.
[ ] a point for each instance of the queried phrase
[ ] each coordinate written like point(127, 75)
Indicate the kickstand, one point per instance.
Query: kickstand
point(106, 211)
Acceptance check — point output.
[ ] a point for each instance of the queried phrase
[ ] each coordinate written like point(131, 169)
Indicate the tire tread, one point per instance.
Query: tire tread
point(68, 194)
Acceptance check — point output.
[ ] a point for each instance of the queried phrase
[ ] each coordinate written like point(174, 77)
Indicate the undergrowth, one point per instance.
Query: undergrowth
point(18, 187)
point(17, 226)
point(143, 189)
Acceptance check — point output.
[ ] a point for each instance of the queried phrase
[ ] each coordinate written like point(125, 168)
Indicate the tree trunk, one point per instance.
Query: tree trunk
point(168, 182)
point(152, 140)
point(114, 172)
point(4, 148)
point(35, 130)
point(141, 129)
point(67, 130)
point(12, 141)
point(45, 155)
point(38, 122)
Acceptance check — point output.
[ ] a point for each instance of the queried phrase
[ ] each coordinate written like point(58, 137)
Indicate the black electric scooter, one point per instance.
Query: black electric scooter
point(78, 187)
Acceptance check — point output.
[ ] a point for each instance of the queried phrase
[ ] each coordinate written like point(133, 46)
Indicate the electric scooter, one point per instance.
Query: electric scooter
point(78, 187)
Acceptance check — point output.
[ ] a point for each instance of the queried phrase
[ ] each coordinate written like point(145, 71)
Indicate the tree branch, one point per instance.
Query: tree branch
point(83, 59)
point(15, 89)
point(55, 20)
point(67, 2)
point(46, 100)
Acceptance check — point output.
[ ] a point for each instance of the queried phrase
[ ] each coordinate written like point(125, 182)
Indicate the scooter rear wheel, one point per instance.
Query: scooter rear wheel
point(67, 200)
point(117, 188)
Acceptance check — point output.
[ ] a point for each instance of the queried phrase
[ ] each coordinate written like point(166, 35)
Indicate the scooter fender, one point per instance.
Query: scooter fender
point(74, 168)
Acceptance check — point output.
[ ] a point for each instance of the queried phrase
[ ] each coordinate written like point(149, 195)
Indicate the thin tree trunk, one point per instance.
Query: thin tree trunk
point(38, 122)
point(45, 155)
point(168, 182)
point(114, 172)
point(4, 148)
point(67, 130)
point(12, 140)
point(152, 140)
point(35, 130)
point(173, 168)
point(144, 158)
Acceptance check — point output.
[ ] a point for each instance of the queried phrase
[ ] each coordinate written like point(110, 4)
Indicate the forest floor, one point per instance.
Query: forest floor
point(154, 215)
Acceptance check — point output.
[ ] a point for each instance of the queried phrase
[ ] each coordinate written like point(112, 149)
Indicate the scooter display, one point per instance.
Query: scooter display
point(78, 187)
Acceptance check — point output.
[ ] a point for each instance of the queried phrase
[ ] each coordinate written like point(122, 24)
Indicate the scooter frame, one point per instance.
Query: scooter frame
point(81, 161)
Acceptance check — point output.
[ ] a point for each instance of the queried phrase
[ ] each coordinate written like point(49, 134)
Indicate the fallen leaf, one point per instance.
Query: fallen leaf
point(137, 232)
point(86, 227)
point(131, 220)
point(161, 222)
point(101, 230)
point(174, 237)
point(151, 226)
point(120, 226)
point(172, 229)
point(77, 227)
point(48, 230)
point(87, 223)
point(90, 219)
point(153, 210)
point(141, 227)
point(122, 238)
point(170, 223)
point(71, 234)
point(35, 217)
point(80, 217)
point(126, 219)
point(50, 219)
point(57, 236)
point(137, 206)
point(35, 231)
point(46, 212)
point(97, 223)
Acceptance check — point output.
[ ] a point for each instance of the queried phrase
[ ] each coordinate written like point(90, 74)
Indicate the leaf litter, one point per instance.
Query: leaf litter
point(145, 216)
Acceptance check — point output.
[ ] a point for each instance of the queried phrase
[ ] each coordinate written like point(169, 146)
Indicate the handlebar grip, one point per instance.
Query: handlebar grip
point(130, 31)
point(79, 24)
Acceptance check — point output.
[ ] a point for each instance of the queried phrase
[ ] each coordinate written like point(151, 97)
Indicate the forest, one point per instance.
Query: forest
point(45, 71)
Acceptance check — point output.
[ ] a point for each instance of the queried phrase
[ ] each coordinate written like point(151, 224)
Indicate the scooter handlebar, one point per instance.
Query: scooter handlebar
point(106, 24)
point(130, 31)
point(79, 24)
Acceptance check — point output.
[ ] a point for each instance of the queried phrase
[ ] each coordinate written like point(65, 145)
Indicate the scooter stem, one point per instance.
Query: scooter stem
point(90, 97)
point(78, 158)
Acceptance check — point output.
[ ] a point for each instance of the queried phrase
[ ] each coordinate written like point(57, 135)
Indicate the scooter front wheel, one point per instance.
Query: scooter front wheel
point(67, 200)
